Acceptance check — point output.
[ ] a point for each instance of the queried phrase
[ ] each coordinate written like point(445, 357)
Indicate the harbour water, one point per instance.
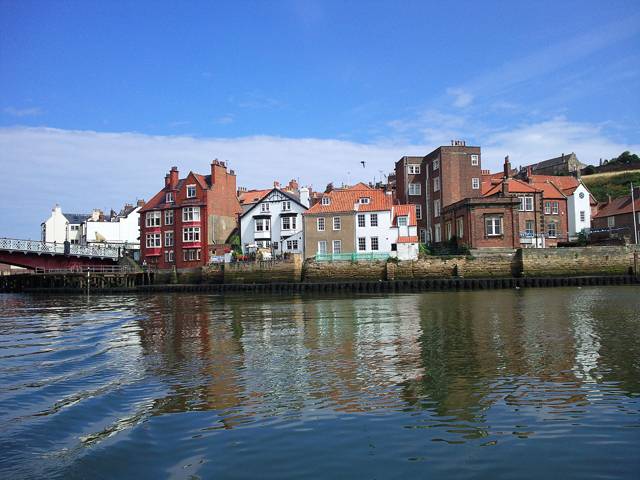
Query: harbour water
point(530, 383)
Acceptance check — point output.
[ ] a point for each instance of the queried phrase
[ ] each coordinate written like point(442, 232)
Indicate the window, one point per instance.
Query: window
point(362, 244)
point(364, 200)
point(373, 219)
point(191, 254)
point(322, 247)
point(493, 226)
point(191, 191)
point(168, 198)
point(448, 230)
point(437, 234)
point(475, 160)
point(436, 184)
point(526, 204)
point(191, 214)
point(168, 217)
point(168, 256)
point(528, 228)
point(75, 228)
point(288, 223)
point(436, 164)
point(264, 207)
point(326, 201)
point(336, 223)
point(403, 221)
point(168, 239)
point(191, 234)
point(475, 183)
point(153, 219)
point(292, 244)
point(286, 206)
point(153, 240)
point(320, 224)
point(547, 208)
point(582, 216)
point(554, 208)
point(436, 208)
point(337, 246)
point(263, 224)
point(552, 230)
point(460, 227)
point(361, 220)
point(419, 212)
point(415, 189)
point(414, 169)
point(374, 244)
point(611, 221)
point(423, 235)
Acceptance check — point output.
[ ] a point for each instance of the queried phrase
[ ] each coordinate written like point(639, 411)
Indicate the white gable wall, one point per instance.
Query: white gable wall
point(575, 205)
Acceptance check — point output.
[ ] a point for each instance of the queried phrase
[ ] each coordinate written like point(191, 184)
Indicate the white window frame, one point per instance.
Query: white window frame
point(491, 228)
point(436, 184)
point(526, 204)
point(460, 227)
point(191, 234)
point(264, 207)
point(291, 223)
point(403, 221)
point(436, 164)
point(437, 233)
point(419, 212)
point(448, 229)
point(191, 254)
point(415, 189)
point(325, 201)
point(168, 217)
point(169, 198)
point(190, 214)
point(320, 224)
point(373, 220)
point(529, 231)
point(611, 221)
point(364, 200)
point(436, 208)
point(375, 244)
point(555, 207)
point(413, 169)
point(153, 240)
point(262, 225)
point(337, 223)
point(286, 206)
point(547, 208)
point(334, 244)
point(322, 247)
point(152, 219)
point(475, 183)
point(191, 191)
point(362, 244)
point(362, 220)
point(168, 239)
point(423, 235)
point(475, 160)
point(554, 230)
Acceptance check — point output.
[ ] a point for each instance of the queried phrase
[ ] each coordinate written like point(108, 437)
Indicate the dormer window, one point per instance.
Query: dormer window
point(168, 198)
point(365, 200)
point(326, 201)
point(191, 191)
point(264, 207)
point(403, 221)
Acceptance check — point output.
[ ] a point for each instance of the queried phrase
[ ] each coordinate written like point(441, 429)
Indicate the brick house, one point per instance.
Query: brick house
point(190, 219)
point(615, 218)
point(441, 178)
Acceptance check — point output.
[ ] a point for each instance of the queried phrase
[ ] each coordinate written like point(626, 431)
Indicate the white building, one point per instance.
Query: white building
point(579, 202)
point(275, 222)
point(393, 230)
point(61, 227)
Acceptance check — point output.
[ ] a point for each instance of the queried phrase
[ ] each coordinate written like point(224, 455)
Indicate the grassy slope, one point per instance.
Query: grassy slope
point(615, 184)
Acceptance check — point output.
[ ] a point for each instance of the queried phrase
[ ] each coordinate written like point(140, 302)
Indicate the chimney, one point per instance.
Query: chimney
point(140, 203)
point(505, 187)
point(304, 196)
point(507, 167)
point(276, 184)
point(166, 180)
point(173, 177)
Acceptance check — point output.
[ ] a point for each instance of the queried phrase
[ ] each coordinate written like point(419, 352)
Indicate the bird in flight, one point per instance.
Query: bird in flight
point(363, 163)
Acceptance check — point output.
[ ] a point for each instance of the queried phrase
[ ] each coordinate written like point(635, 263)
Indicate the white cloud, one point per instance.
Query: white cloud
point(23, 112)
point(225, 120)
point(82, 170)
point(461, 98)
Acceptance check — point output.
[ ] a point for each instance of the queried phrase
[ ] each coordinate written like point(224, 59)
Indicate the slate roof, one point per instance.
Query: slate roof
point(76, 218)
point(348, 200)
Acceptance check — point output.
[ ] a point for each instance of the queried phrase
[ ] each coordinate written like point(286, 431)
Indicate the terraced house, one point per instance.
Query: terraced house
point(360, 220)
point(190, 219)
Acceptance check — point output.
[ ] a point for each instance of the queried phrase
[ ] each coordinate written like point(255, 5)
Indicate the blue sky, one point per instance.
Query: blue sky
point(99, 99)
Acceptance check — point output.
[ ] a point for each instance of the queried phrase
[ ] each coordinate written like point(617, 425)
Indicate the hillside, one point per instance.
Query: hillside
point(615, 184)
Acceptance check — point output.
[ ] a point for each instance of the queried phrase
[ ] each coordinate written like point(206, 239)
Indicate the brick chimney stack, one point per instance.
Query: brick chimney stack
point(173, 177)
point(507, 167)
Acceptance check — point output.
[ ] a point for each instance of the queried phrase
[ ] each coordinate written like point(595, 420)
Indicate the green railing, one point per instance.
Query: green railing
point(351, 257)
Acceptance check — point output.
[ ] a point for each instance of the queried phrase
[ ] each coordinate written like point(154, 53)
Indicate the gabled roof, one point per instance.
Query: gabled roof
point(285, 193)
point(619, 206)
point(405, 210)
point(514, 186)
point(76, 218)
point(549, 190)
point(348, 201)
point(253, 196)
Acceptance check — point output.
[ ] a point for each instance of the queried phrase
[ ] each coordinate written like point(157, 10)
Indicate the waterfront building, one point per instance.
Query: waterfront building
point(360, 220)
point(615, 218)
point(190, 219)
point(64, 227)
point(274, 220)
point(122, 228)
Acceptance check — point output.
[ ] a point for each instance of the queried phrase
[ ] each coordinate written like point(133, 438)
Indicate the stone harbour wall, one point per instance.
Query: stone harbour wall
point(318, 272)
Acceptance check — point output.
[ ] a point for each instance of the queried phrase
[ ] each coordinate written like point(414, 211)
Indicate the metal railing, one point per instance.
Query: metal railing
point(87, 269)
point(351, 257)
point(53, 248)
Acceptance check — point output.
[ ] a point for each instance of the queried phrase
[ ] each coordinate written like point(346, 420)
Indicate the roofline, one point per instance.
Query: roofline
point(269, 193)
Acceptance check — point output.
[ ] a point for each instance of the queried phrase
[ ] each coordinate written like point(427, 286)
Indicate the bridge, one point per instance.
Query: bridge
point(33, 254)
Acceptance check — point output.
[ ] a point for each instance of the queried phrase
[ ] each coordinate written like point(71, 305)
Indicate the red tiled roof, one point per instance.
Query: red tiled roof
point(619, 206)
point(252, 196)
point(549, 189)
point(407, 239)
point(515, 186)
point(562, 182)
point(405, 210)
point(346, 201)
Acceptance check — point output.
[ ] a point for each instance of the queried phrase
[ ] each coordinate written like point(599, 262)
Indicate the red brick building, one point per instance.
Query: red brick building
point(615, 218)
point(437, 180)
point(190, 219)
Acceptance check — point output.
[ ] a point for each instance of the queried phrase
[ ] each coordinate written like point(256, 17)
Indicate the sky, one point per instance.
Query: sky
point(99, 99)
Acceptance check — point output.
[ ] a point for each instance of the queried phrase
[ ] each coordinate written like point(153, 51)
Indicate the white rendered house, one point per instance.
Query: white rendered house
point(61, 227)
point(578, 210)
point(123, 228)
point(275, 222)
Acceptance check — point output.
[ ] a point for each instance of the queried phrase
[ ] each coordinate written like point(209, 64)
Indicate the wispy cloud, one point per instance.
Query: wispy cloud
point(23, 112)
point(225, 119)
point(254, 100)
point(461, 98)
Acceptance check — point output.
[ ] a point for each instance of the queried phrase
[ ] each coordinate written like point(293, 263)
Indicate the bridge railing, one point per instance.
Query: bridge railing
point(87, 269)
point(35, 246)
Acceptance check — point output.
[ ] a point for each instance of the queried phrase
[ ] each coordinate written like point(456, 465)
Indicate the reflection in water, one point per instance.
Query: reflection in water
point(461, 368)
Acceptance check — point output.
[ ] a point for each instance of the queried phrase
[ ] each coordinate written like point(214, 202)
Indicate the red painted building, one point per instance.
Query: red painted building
point(190, 219)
